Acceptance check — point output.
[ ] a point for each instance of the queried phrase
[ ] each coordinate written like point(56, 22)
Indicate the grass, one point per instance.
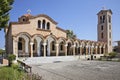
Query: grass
point(16, 73)
point(11, 73)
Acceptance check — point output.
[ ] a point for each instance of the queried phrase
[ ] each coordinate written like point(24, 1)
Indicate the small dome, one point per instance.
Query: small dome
point(27, 15)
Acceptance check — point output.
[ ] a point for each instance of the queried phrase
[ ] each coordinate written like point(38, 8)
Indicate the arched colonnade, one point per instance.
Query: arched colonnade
point(25, 45)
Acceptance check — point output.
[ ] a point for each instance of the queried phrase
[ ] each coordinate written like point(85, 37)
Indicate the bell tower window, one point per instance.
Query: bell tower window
point(102, 36)
point(102, 27)
point(109, 18)
point(103, 18)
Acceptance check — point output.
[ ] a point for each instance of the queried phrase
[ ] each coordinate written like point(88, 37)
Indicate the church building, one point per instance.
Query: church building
point(39, 36)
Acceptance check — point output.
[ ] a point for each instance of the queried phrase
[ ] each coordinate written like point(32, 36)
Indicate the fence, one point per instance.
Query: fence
point(25, 67)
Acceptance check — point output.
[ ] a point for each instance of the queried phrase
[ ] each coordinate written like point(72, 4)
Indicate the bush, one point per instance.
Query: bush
point(11, 57)
point(9, 73)
point(112, 55)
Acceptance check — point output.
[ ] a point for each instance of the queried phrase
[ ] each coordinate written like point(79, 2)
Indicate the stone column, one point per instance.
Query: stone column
point(31, 46)
point(44, 45)
point(66, 49)
point(73, 49)
point(104, 51)
point(89, 50)
point(96, 50)
point(38, 48)
point(57, 49)
point(86, 50)
point(41, 25)
point(45, 25)
point(100, 50)
point(80, 49)
point(15, 47)
point(92, 50)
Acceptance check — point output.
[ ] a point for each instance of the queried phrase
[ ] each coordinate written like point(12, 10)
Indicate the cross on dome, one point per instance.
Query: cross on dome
point(28, 11)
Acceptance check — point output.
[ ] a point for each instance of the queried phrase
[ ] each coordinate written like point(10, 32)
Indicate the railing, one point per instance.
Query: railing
point(25, 67)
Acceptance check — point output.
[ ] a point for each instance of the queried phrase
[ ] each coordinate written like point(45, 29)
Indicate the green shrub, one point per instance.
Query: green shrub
point(11, 57)
point(112, 55)
point(9, 73)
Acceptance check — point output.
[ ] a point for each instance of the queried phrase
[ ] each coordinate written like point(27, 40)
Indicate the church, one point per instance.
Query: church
point(39, 36)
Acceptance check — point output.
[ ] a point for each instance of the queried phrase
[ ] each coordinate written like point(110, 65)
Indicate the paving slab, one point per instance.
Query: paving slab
point(78, 70)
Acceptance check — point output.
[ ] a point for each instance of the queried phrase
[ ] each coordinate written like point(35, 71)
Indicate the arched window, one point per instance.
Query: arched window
point(103, 18)
point(110, 35)
point(102, 27)
point(43, 24)
point(20, 44)
point(102, 35)
point(109, 27)
point(48, 25)
point(39, 24)
point(109, 18)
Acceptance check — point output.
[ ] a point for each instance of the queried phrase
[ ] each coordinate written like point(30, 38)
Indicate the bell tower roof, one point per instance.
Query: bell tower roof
point(104, 10)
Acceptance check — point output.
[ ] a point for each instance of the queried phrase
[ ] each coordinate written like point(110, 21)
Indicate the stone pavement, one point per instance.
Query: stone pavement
point(78, 70)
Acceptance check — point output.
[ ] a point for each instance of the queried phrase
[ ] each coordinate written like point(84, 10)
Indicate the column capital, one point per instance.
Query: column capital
point(73, 45)
point(15, 39)
point(96, 46)
point(66, 45)
point(31, 43)
point(57, 44)
point(87, 46)
point(44, 43)
point(103, 46)
point(80, 45)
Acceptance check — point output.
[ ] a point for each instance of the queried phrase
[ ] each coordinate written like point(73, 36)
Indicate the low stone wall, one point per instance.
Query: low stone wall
point(4, 61)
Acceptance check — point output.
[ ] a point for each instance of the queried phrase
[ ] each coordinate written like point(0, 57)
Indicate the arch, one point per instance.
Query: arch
point(77, 47)
point(21, 47)
point(39, 44)
point(71, 41)
point(37, 35)
point(49, 40)
point(26, 37)
point(48, 26)
point(69, 48)
point(61, 39)
point(43, 24)
point(39, 24)
point(51, 36)
point(23, 33)
point(61, 42)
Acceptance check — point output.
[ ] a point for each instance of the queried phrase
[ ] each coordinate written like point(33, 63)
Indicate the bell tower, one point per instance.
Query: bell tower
point(104, 28)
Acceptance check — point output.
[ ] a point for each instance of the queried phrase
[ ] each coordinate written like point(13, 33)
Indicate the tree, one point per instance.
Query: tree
point(2, 52)
point(5, 7)
point(70, 34)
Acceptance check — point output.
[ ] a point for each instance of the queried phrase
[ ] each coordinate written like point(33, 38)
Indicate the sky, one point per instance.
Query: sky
point(77, 15)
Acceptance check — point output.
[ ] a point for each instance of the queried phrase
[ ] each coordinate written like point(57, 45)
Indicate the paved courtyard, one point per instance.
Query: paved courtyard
point(78, 70)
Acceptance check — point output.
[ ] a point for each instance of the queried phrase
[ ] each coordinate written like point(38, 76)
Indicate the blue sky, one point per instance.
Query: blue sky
point(77, 15)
